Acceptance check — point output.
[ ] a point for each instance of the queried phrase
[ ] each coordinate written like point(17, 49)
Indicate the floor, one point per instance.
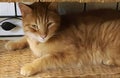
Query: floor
point(12, 61)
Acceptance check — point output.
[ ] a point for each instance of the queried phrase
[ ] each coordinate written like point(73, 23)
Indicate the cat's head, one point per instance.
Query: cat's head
point(40, 20)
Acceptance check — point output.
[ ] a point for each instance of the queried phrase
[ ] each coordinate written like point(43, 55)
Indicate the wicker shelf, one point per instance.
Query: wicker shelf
point(60, 0)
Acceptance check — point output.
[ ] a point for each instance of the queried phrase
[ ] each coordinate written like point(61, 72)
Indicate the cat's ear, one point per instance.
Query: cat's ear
point(53, 6)
point(24, 9)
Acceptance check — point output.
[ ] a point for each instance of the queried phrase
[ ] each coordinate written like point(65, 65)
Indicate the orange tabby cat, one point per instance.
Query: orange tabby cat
point(84, 39)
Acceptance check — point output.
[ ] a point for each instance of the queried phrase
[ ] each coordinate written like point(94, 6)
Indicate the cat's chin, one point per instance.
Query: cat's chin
point(42, 41)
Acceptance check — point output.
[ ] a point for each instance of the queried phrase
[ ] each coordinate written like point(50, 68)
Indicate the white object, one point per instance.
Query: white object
point(7, 9)
point(18, 30)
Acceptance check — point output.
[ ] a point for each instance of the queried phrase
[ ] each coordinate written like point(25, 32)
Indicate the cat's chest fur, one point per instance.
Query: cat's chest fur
point(40, 49)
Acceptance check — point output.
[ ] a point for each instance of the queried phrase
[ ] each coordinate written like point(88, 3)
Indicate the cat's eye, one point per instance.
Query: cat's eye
point(34, 27)
point(49, 24)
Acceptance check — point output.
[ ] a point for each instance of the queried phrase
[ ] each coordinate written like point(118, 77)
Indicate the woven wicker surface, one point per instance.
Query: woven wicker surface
point(60, 0)
point(12, 61)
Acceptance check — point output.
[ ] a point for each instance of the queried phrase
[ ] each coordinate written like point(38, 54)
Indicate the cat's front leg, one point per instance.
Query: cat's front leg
point(18, 44)
point(48, 61)
point(28, 69)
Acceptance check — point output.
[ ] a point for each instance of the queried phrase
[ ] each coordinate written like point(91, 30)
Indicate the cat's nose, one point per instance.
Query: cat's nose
point(43, 36)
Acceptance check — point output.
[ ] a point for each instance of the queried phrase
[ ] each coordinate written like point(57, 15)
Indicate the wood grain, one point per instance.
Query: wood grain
point(60, 0)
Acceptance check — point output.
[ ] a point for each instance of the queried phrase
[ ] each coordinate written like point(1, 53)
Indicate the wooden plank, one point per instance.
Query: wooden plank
point(60, 0)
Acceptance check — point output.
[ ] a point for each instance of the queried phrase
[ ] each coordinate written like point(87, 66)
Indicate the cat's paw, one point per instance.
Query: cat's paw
point(10, 45)
point(28, 70)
